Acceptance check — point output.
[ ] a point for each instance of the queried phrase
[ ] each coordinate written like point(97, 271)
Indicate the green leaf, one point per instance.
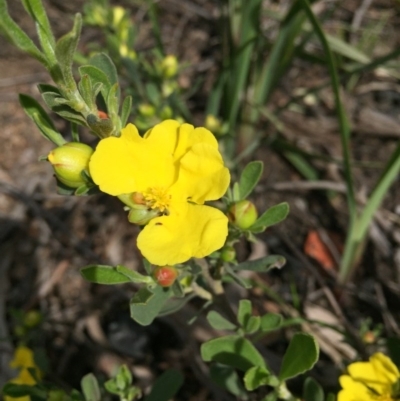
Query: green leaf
point(133, 275)
point(249, 178)
point(90, 388)
point(86, 90)
point(36, 112)
point(273, 215)
point(249, 323)
point(258, 376)
point(97, 77)
point(126, 110)
point(104, 63)
point(102, 274)
point(301, 356)
point(270, 322)
point(312, 391)
point(65, 50)
point(173, 305)
point(113, 100)
point(227, 378)
point(262, 264)
point(244, 311)
point(218, 322)
point(22, 390)
point(146, 304)
point(36, 10)
point(17, 36)
point(239, 280)
point(166, 386)
point(234, 351)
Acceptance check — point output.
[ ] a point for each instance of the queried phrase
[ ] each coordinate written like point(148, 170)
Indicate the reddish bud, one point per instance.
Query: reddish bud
point(165, 275)
point(102, 115)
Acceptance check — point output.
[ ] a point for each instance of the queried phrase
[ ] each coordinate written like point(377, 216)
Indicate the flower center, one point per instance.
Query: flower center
point(157, 198)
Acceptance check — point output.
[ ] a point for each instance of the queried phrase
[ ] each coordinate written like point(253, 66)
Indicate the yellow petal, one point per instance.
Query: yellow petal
point(23, 358)
point(189, 231)
point(164, 135)
point(131, 163)
point(353, 390)
point(386, 370)
point(379, 372)
point(190, 136)
point(202, 174)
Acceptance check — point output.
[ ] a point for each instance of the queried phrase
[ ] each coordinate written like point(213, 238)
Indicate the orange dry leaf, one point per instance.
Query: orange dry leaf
point(316, 249)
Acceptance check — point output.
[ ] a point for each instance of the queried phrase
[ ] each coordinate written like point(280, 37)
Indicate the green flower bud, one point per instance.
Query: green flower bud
point(166, 113)
point(32, 318)
point(141, 215)
point(228, 253)
point(165, 275)
point(169, 66)
point(68, 162)
point(146, 110)
point(243, 214)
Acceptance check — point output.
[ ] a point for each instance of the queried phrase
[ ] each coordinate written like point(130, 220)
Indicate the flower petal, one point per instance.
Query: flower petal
point(131, 163)
point(353, 390)
point(190, 136)
point(189, 231)
point(202, 173)
point(379, 370)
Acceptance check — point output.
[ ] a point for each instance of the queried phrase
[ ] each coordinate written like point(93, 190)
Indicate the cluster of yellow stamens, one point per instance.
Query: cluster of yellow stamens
point(157, 198)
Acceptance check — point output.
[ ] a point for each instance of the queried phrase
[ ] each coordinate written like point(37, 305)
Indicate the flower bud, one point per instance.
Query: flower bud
point(228, 253)
point(166, 113)
point(147, 110)
point(169, 66)
point(243, 214)
point(32, 318)
point(118, 13)
point(369, 337)
point(141, 215)
point(68, 162)
point(165, 275)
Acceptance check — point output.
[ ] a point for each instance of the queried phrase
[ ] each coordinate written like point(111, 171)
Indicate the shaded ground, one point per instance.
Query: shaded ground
point(45, 238)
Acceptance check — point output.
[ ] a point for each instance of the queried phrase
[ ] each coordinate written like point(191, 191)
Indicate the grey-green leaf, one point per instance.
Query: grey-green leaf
point(218, 322)
point(227, 378)
point(301, 356)
point(90, 388)
point(234, 351)
point(17, 36)
point(147, 304)
point(312, 391)
point(262, 264)
point(65, 50)
point(249, 178)
point(166, 386)
point(133, 275)
point(102, 274)
point(36, 112)
point(258, 376)
point(272, 216)
point(270, 322)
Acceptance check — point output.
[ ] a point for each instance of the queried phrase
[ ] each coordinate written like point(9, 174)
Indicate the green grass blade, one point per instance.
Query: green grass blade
point(343, 121)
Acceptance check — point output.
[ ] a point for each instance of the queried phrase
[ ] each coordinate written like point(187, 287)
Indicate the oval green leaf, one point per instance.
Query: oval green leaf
point(249, 178)
point(234, 351)
point(102, 274)
point(301, 356)
point(272, 216)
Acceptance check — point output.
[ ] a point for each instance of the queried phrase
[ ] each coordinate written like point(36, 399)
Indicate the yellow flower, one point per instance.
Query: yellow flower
point(370, 381)
point(173, 169)
point(23, 359)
